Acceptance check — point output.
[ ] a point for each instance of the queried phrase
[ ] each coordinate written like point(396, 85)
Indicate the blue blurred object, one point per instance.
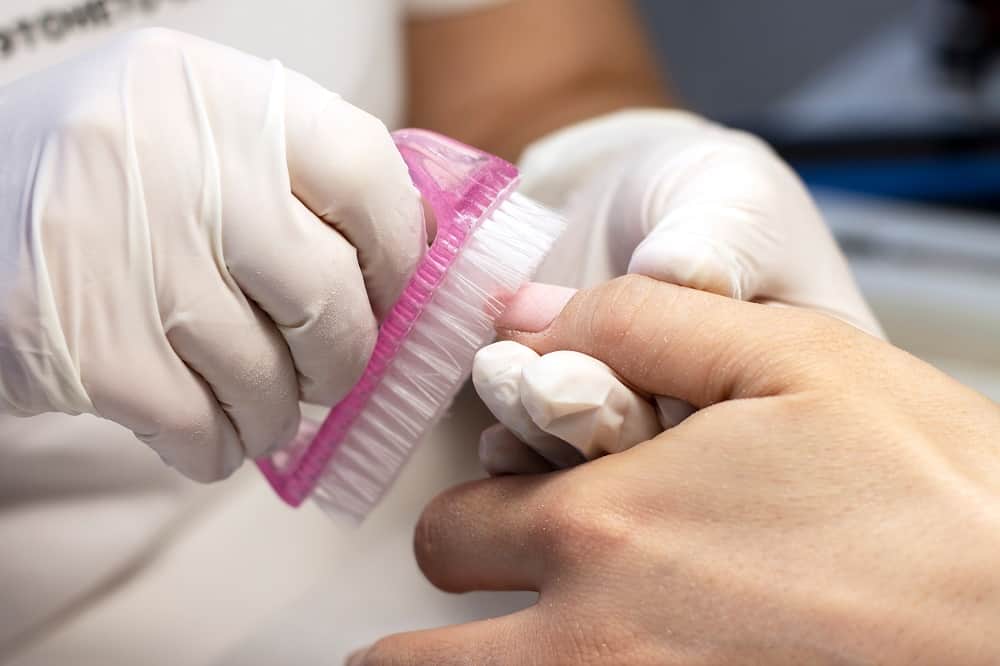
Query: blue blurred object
point(956, 167)
point(898, 98)
point(914, 114)
point(960, 180)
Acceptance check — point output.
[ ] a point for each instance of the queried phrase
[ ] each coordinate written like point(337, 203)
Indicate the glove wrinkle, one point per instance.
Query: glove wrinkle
point(164, 265)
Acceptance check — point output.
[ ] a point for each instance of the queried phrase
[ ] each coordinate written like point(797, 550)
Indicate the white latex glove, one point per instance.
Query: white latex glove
point(556, 410)
point(193, 240)
point(672, 196)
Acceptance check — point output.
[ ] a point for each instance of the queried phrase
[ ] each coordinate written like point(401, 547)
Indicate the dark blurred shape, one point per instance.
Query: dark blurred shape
point(897, 98)
point(959, 168)
point(964, 36)
point(732, 60)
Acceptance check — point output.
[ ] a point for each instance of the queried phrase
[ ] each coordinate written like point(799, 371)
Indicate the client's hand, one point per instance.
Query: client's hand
point(834, 501)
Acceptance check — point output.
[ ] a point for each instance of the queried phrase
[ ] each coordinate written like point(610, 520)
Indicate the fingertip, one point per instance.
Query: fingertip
point(499, 362)
point(579, 400)
point(496, 373)
point(273, 427)
point(501, 453)
point(497, 377)
point(204, 452)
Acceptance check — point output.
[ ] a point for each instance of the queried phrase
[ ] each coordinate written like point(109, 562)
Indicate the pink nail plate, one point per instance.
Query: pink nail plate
point(534, 307)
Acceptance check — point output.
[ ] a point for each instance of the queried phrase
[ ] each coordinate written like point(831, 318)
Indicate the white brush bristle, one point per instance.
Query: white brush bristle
point(430, 367)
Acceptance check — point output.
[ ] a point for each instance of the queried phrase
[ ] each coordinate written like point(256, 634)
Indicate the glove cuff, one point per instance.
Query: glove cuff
point(556, 164)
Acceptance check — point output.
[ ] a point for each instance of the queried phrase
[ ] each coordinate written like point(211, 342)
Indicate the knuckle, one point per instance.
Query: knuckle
point(604, 327)
point(614, 309)
point(365, 153)
point(629, 289)
point(577, 525)
point(778, 362)
point(833, 342)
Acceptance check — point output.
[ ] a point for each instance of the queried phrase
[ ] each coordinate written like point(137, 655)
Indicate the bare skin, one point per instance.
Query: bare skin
point(835, 501)
point(502, 77)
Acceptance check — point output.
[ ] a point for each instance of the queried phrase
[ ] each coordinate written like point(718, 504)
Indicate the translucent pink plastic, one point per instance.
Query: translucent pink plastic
point(462, 186)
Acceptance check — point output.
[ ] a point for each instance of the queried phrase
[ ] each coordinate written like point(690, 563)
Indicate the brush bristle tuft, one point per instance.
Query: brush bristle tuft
point(433, 363)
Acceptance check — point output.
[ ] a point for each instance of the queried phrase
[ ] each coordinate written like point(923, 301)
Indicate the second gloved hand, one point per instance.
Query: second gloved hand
point(193, 240)
point(674, 197)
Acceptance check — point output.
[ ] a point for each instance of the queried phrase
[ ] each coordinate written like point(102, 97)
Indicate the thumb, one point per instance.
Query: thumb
point(726, 215)
point(719, 215)
point(668, 340)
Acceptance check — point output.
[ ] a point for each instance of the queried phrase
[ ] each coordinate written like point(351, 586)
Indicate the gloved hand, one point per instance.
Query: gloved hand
point(674, 197)
point(193, 240)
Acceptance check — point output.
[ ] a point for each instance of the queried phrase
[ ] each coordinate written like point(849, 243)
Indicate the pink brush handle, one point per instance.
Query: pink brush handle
point(463, 186)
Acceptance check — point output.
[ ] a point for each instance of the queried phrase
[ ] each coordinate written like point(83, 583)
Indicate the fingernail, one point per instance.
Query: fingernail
point(534, 308)
point(356, 658)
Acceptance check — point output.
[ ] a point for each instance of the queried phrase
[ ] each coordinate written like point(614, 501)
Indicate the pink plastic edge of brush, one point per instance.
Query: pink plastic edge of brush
point(457, 211)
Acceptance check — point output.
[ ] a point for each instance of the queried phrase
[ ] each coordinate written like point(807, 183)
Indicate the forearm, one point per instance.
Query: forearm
point(502, 78)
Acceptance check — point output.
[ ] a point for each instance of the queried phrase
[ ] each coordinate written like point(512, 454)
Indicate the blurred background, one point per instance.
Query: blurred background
point(890, 111)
